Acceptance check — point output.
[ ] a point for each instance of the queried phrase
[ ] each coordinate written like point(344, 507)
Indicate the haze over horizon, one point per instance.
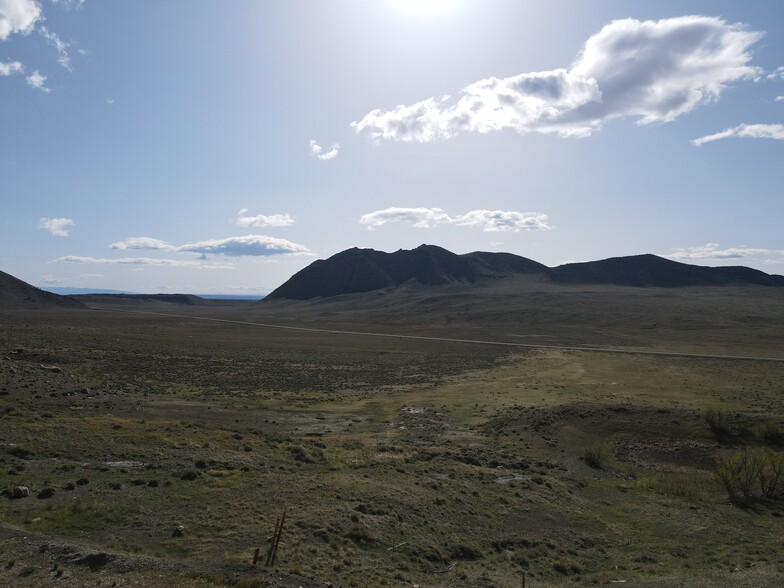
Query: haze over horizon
point(159, 146)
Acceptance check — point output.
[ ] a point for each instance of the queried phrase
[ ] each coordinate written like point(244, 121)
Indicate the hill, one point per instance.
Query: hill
point(365, 270)
point(181, 299)
point(646, 271)
point(16, 293)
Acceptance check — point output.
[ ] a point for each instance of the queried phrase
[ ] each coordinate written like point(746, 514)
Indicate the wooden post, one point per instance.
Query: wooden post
point(523, 584)
point(272, 552)
point(256, 555)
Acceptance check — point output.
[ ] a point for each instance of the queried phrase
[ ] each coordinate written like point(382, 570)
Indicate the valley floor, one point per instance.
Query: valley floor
point(399, 462)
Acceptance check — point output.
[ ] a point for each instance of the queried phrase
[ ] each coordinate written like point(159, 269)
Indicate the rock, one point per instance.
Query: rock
point(69, 486)
point(45, 493)
point(52, 368)
point(179, 531)
point(20, 492)
point(82, 482)
point(94, 561)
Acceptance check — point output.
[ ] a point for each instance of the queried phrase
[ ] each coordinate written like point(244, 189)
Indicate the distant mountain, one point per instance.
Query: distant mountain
point(16, 293)
point(365, 270)
point(647, 271)
point(181, 299)
point(77, 291)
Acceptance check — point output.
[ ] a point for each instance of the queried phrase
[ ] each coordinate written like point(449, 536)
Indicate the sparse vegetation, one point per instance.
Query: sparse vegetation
point(718, 422)
point(396, 459)
point(595, 455)
point(751, 473)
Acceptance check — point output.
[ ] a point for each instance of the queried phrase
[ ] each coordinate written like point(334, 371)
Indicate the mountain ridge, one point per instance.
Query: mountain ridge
point(356, 270)
point(17, 293)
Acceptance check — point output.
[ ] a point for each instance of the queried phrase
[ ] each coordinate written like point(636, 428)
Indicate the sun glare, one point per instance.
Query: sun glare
point(426, 7)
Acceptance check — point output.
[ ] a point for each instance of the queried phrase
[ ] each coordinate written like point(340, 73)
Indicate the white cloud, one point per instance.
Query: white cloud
point(779, 98)
point(778, 74)
point(421, 218)
point(142, 261)
point(763, 131)
point(713, 251)
point(59, 227)
point(147, 243)
point(69, 4)
point(60, 45)
point(261, 220)
point(502, 221)
point(36, 80)
point(246, 245)
point(11, 67)
point(318, 152)
point(652, 70)
point(487, 220)
point(18, 16)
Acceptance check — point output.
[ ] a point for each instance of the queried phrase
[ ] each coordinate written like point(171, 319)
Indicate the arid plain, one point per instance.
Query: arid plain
point(582, 456)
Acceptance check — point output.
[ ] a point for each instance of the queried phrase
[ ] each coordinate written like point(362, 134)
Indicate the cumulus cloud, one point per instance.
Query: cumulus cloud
point(318, 152)
point(487, 220)
point(777, 74)
point(779, 98)
point(61, 46)
point(254, 245)
point(761, 131)
point(142, 261)
point(59, 227)
point(503, 221)
point(260, 220)
point(652, 70)
point(148, 243)
point(713, 251)
point(38, 81)
point(11, 67)
point(421, 218)
point(18, 16)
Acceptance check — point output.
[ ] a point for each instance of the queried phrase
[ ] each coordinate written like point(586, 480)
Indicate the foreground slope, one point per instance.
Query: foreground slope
point(16, 293)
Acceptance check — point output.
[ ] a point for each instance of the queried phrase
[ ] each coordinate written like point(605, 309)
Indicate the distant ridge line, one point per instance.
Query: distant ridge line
point(355, 271)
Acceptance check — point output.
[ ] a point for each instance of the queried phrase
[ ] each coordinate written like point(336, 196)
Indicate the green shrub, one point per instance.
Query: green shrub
point(749, 474)
point(718, 422)
point(595, 455)
point(771, 433)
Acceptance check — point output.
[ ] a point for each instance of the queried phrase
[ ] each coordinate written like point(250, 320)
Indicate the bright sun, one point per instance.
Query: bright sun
point(425, 7)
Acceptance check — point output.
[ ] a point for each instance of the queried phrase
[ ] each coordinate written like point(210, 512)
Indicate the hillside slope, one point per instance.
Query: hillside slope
point(16, 293)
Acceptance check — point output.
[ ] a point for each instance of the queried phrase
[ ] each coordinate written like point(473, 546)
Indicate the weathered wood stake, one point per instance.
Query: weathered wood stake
point(272, 552)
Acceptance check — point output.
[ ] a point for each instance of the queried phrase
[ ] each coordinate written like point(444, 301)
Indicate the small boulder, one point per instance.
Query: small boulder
point(45, 493)
point(20, 492)
point(179, 531)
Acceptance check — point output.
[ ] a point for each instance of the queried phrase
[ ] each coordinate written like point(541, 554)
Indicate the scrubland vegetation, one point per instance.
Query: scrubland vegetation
point(163, 450)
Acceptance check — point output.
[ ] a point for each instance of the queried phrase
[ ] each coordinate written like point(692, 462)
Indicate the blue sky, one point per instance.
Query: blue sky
point(162, 145)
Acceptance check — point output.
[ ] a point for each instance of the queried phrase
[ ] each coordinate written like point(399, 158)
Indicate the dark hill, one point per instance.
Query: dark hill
point(16, 293)
point(652, 271)
point(181, 299)
point(364, 270)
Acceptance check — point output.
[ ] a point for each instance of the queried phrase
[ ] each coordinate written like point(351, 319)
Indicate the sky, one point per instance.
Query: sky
point(196, 146)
